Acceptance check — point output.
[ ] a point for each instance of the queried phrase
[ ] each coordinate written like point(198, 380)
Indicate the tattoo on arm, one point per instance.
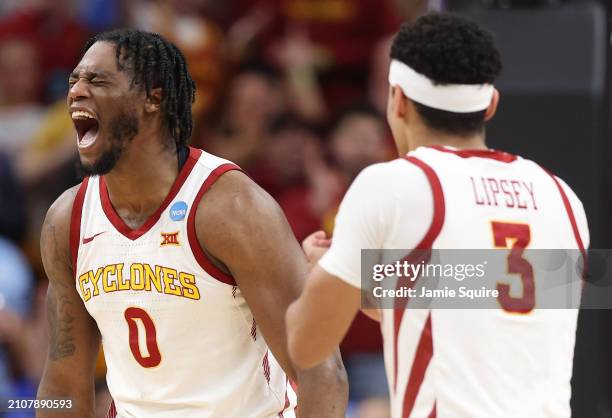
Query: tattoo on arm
point(59, 302)
point(55, 262)
point(61, 339)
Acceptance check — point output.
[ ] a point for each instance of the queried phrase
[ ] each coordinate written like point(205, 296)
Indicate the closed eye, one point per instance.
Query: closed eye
point(98, 83)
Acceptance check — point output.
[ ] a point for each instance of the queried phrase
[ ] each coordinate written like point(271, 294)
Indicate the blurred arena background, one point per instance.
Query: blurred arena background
point(295, 92)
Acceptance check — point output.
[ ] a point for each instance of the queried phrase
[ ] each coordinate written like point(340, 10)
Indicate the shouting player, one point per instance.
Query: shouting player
point(171, 257)
point(510, 362)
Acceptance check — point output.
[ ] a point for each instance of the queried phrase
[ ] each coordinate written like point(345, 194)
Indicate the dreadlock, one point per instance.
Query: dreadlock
point(155, 62)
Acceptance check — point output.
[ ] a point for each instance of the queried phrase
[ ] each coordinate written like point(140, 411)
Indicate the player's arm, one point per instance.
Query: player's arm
point(247, 231)
point(315, 246)
point(319, 319)
point(73, 336)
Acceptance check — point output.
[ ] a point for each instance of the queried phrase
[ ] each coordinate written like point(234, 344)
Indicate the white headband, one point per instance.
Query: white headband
point(459, 98)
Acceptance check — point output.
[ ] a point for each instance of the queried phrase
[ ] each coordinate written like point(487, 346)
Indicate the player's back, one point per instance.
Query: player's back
point(512, 361)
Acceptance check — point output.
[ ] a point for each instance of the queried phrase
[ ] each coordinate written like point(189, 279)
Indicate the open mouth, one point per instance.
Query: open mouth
point(86, 125)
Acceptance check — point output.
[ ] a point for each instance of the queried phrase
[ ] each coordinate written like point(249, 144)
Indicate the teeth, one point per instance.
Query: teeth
point(81, 114)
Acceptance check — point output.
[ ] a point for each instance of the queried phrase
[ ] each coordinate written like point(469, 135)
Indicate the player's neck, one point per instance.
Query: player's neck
point(142, 179)
point(429, 137)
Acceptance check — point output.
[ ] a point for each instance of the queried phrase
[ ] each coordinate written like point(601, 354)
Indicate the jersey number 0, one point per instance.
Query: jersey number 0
point(153, 356)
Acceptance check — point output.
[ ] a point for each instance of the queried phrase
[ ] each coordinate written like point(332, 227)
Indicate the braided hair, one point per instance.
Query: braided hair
point(154, 62)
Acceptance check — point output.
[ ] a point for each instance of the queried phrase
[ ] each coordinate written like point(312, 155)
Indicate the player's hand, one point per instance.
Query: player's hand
point(315, 245)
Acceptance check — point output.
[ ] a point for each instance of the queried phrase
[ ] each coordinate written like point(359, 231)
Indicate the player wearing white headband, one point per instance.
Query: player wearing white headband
point(449, 191)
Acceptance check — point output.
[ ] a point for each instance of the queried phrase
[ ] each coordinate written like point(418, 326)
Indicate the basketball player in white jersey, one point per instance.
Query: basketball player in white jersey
point(171, 257)
point(511, 362)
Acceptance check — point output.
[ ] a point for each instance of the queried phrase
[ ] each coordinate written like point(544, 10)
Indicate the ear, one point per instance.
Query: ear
point(400, 102)
point(153, 102)
point(492, 106)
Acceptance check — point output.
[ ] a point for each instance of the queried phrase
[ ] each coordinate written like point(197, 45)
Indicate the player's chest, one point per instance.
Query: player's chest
point(156, 268)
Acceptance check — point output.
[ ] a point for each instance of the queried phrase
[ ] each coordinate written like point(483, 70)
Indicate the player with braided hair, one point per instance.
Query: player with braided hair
point(171, 257)
point(155, 62)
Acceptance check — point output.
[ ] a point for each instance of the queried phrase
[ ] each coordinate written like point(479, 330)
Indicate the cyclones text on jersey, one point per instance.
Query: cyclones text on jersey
point(139, 277)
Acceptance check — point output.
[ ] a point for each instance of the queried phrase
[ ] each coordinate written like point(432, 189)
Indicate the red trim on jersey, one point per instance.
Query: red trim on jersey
point(570, 213)
point(433, 412)
point(265, 363)
point(254, 330)
point(281, 414)
point(480, 153)
point(420, 253)
point(133, 234)
point(199, 254)
point(572, 218)
point(419, 368)
point(112, 410)
point(438, 203)
point(75, 223)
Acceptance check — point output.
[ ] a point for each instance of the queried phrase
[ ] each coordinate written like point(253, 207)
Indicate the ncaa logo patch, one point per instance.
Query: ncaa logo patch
point(178, 211)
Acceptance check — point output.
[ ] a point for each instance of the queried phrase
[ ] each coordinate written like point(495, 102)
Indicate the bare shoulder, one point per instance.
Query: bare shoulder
point(61, 209)
point(237, 220)
point(55, 234)
point(235, 200)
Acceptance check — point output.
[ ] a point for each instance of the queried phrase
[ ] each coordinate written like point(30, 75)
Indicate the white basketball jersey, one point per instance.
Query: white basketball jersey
point(514, 362)
point(179, 339)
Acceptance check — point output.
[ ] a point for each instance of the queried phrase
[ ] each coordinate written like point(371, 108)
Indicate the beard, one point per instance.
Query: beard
point(123, 129)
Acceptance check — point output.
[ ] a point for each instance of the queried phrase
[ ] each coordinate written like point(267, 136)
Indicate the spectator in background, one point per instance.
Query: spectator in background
point(46, 167)
point(22, 328)
point(255, 99)
point(12, 205)
point(56, 35)
point(35, 151)
point(292, 170)
point(291, 166)
point(226, 13)
point(359, 137)
point(378, 83)
point(100, 15)
point(342, 34)
point(20, 111)
point(9, 6)
point(298, 58)
point(16, 291)
point(48, 158)
point(411, 10)
point(200, 40)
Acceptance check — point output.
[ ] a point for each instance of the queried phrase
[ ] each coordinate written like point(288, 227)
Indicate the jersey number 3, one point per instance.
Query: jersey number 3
point(152, 358)
point(517, 238)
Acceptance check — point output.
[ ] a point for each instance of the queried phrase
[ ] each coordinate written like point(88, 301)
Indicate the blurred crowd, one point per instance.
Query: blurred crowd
point(294, 91)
